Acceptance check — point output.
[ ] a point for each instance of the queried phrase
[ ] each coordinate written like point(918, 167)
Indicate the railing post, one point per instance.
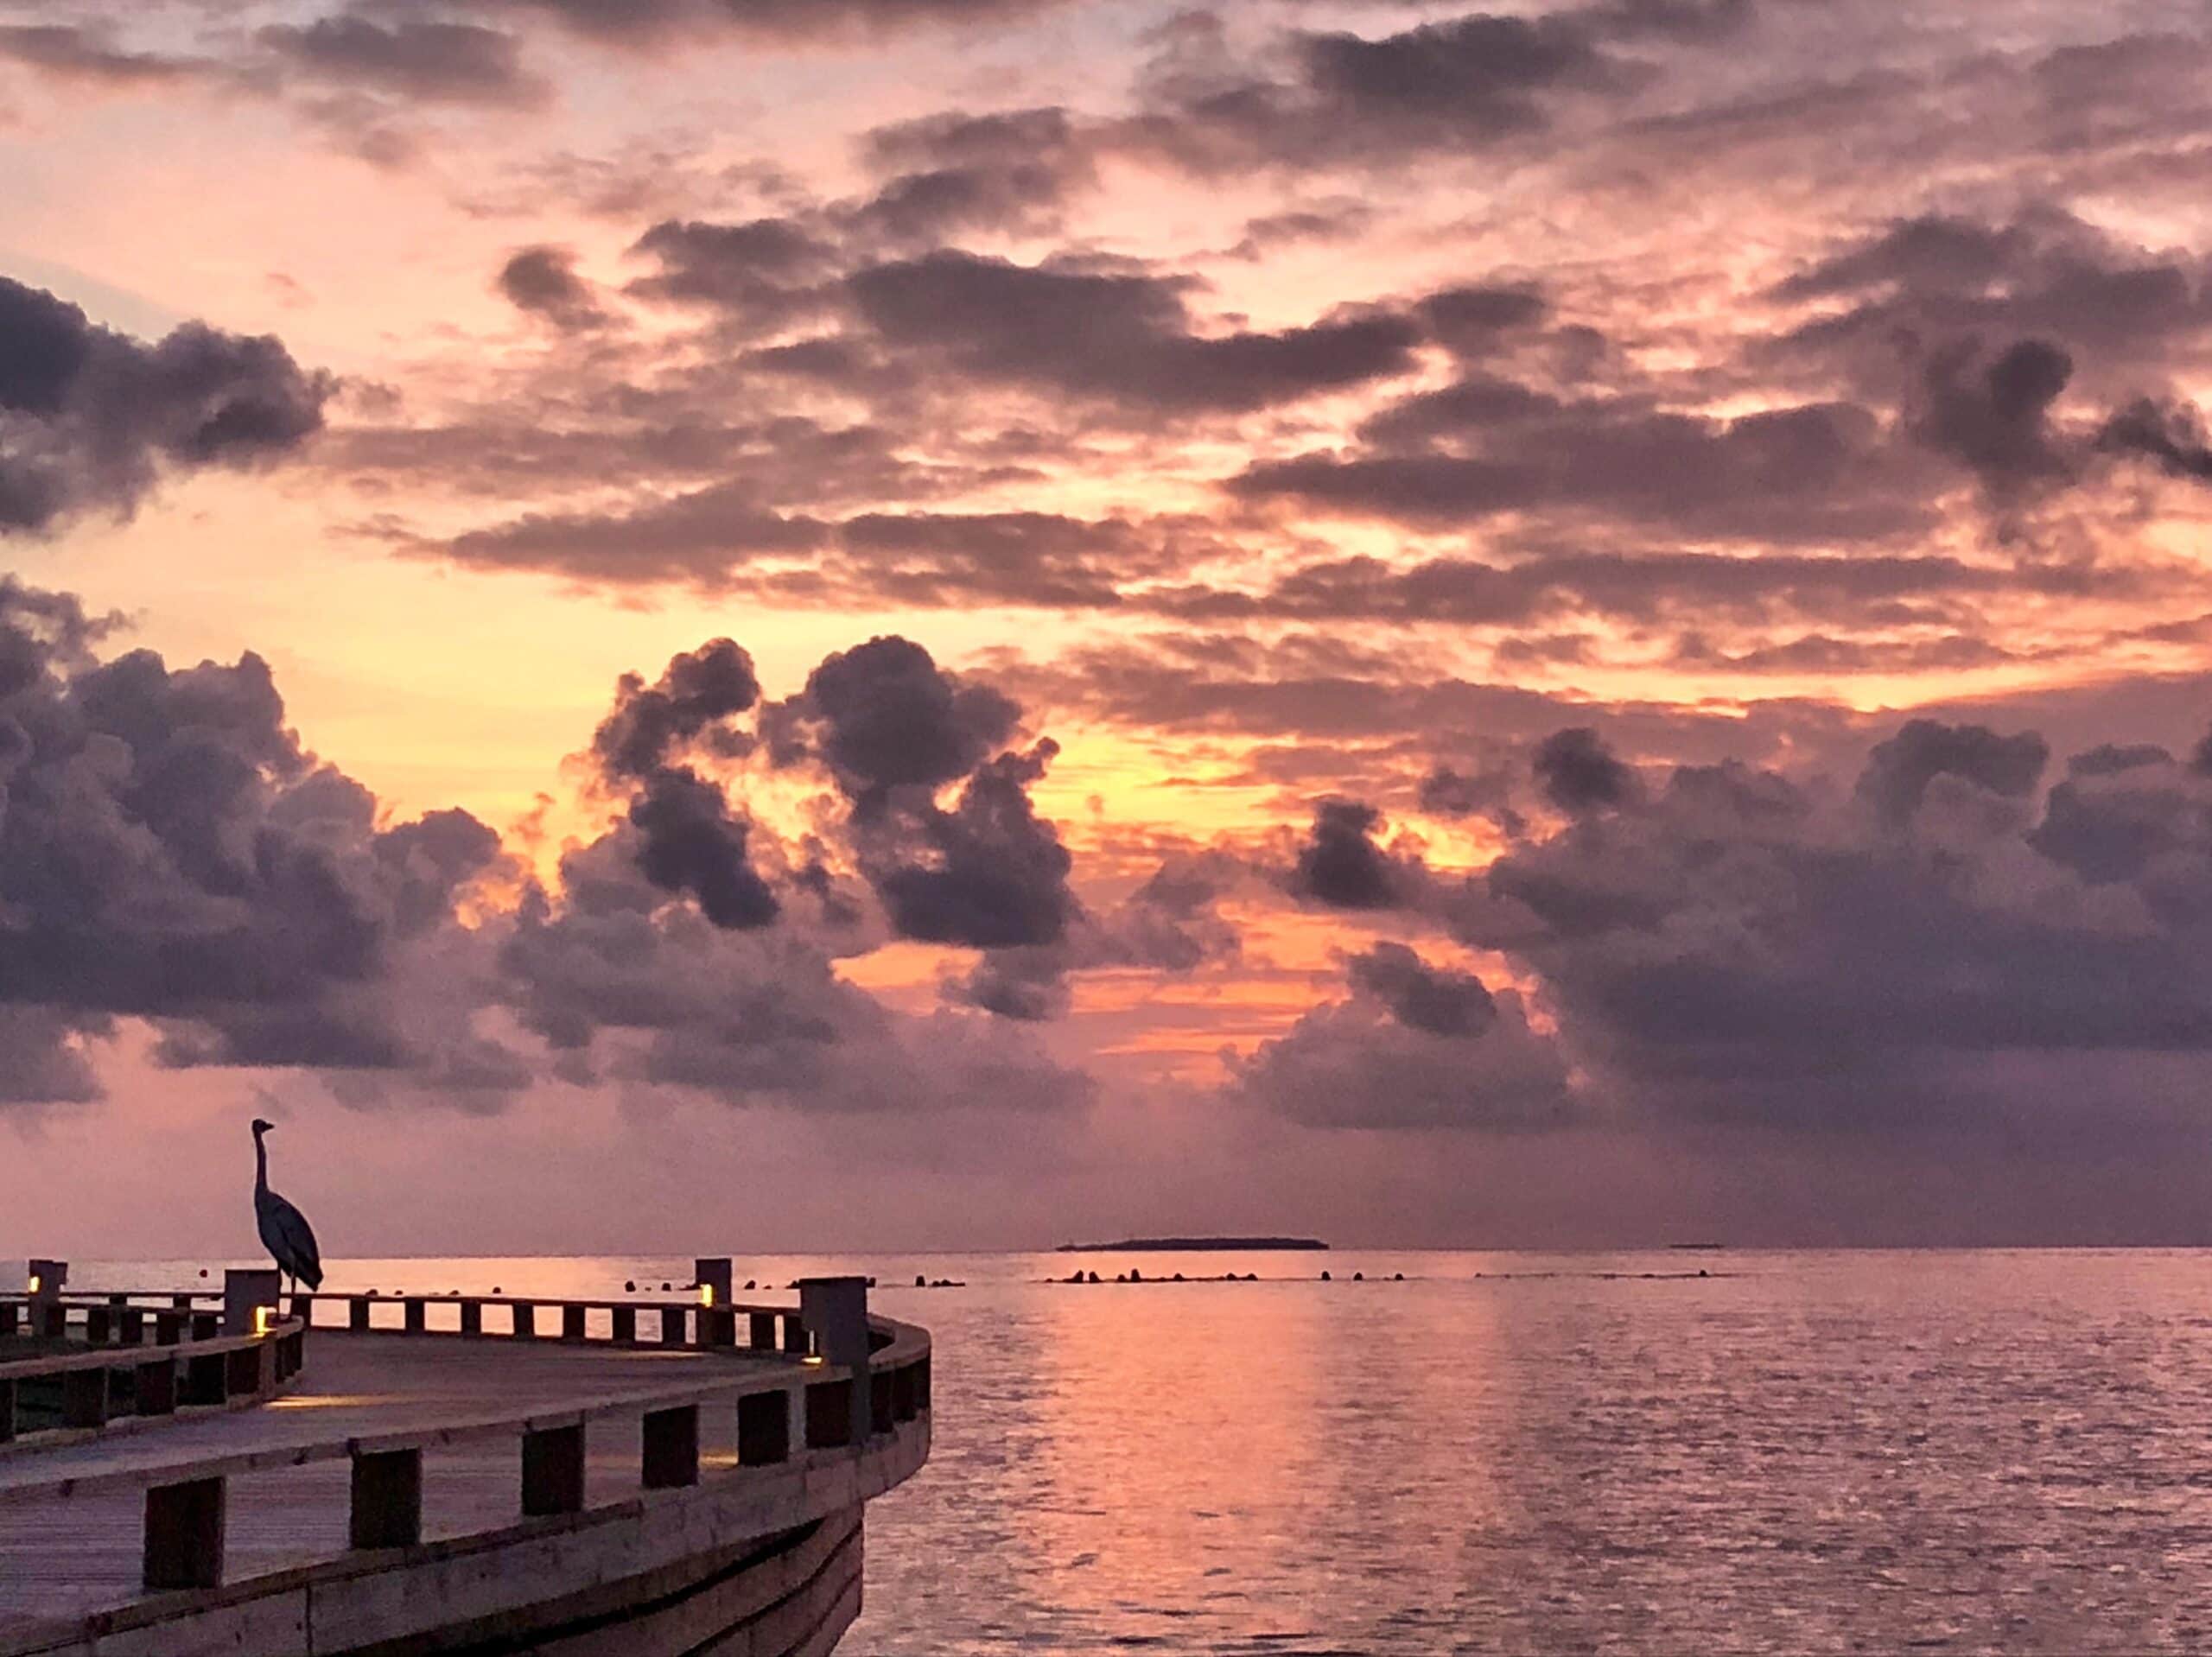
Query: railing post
point(99, 1325)
point(84, 1398)
point(626, 1326)
point(7, 1410)
point(418, 1319)
point(553, 1471)
point(761, 1334)
point(156, 1387)
point(572, 1323)
point(130, 1326)
point(764, 1428)
point(205, 1379)
point(304, 1309)
point(671, 1448)
point(49, 1317)
point(834, 1311)
point(471, 1316)
point(247, 1371)
point(387, 1499)
point(357, 1314)
point(525, 1320)
point(246, 1293)
point(184, 1535)
point(169, 1326)
point(206, 1325)
point(9, 1316)
point(713, 1275)
point(671, 1325)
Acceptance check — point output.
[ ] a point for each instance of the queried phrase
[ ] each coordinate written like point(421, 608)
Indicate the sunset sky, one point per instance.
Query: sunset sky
point(933, 622)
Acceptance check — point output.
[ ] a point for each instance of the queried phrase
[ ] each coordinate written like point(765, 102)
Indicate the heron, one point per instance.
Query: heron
point(284, 1230)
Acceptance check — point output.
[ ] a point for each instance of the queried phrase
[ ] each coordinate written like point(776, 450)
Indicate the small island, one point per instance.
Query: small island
point(1191, 1245)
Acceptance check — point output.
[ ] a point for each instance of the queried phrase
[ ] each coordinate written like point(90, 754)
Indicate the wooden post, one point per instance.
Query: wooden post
point(712, 1276)
point(572, 1323)
point(525, 1320)
point(761, 1332)
point(246, 1295)
point(626, 1325)
point(671, 1326)
point(44, 1278)
point(387, 1510)
point(829, 1414)
point(671, 1459)
point(764, 1428)
point(205, 1378)
point(10, 1316)
point(156, 1385)
point(795, 1334)
point(418, 1319)
point(184, 1535)
point(304, 1309)
point(553, 1471)
point(169, 1326)
point(130, 1326)
point(7, 1410)
point(84, 1398)
point(99, 1325)
point(206, 1325)
point(248, 1371)
point(357, 1314)
point(471, 1316)
point(903, 1405)
point(835, 1311)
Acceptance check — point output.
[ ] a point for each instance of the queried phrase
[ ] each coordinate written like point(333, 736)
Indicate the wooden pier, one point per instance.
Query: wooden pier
point(479, 1474)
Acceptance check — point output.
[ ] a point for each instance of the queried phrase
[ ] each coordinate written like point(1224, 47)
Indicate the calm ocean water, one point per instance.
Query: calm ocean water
point(1800, 1452)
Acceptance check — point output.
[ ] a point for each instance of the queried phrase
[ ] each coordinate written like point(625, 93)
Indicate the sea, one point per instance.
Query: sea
point(1692, 1452)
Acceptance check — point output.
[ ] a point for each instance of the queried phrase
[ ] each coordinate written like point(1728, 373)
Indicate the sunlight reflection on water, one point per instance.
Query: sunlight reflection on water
point(1834, 1452)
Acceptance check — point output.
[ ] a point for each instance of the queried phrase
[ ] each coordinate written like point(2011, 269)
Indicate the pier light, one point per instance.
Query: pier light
point(705, 1294)
point(33, 1288)
point(261, 1315)
point(813, 1358)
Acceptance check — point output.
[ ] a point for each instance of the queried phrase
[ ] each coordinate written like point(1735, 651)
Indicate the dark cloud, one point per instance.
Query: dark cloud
point(90, 419)
point(2169, 433)
point(1341, 866)
point(542, 280)
point(168, 852)
point(652, 22)
point(1414, 1047)
point(696, 693)
point(1454, 84)
point(1738, 945)
point(72, 53)
point(429, 61)
point(1899, 770)
point(689, 841)
point(763, 274)
point(1422, 997)
point(1994, 415)
point(989, 873)
point(1578, 774)
point(883, 717)
point(955, 173)
point(1112, 337)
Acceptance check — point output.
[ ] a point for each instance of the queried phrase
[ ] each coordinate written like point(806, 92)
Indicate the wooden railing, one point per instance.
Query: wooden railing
point(116, 1366)
point(801, 1399)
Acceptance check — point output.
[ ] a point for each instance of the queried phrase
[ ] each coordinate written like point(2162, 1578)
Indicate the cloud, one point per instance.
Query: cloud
point(431, 61)
point(542, 280)
point(168, 852)
point(1741, 946)
point(1115, 337)
point(1414, 1048)
point(72, 52)
point(92, 420)
point(1578, 774)
point(1340, 865)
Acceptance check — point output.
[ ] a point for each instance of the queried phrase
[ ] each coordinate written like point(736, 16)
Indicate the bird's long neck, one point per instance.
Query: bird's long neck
point(260, 1164)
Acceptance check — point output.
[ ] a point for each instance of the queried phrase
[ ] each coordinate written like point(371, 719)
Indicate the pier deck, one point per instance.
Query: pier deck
point(580, 1478)
point(68, 1556)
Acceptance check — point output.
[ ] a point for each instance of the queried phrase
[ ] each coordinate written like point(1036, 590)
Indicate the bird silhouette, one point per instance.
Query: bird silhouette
point(285, 1232)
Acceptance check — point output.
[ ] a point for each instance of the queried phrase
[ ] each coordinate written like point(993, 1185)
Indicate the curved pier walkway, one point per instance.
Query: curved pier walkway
point(470, 1487)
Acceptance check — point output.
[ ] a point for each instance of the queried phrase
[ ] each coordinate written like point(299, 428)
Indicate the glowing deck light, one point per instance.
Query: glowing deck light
point(33, 1282)
point(813, 1357)
point(262, 1316)
point(705, 1294)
